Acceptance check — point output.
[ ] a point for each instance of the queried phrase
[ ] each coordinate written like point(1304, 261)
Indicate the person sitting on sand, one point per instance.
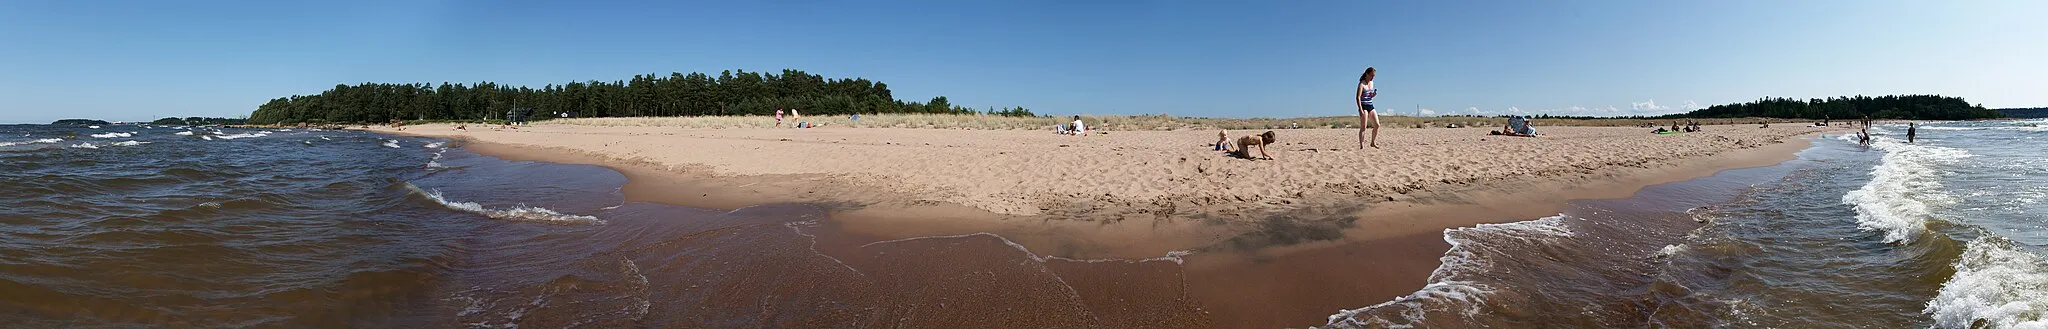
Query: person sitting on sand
point(1222, 140)
point(1080, 129)
point(1517, 126)
point(1245, 144)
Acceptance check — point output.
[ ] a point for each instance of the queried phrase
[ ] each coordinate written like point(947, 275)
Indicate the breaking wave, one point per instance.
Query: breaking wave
point(1903, 189)
point(38, 141)
point(1995, 286)
point(520, 213)
point(238, 136)
point(1453, 285)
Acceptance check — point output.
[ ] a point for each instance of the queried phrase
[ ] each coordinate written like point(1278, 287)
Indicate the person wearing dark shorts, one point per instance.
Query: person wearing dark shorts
point(1366, 117)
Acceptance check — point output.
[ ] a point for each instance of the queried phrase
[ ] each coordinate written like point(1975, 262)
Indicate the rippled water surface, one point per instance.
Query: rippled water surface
point(1947, 231)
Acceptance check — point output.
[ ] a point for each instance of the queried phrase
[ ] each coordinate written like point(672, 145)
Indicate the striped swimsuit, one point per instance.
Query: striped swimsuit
point(1365, 98)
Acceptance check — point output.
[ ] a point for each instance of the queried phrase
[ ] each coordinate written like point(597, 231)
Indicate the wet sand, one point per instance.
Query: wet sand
point(1280, 262)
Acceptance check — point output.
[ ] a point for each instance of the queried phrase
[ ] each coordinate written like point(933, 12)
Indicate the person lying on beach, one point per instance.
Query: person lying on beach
point(1246, 143)
point(1517, 126)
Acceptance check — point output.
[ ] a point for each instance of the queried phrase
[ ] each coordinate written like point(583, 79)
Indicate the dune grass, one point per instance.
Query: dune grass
point(1106, 122)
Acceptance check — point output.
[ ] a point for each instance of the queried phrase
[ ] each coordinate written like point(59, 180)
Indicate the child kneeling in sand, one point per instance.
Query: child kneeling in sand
point(1245, 144)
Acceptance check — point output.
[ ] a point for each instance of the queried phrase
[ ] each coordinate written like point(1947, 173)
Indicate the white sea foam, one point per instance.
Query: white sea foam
point(130, 143)
point(1903, 189)
point(1996, 285)
point(324, 138)
point(93, 127)
point(1671, 250)
point(1450, 285)
point(114, 135)
point(2018, 128)
point(84, 145)
point(183, 133)
point(434, 145)
point(391, 143)
point(239, 136)
point(207, 137)
point(38, 141)
point(520, 213)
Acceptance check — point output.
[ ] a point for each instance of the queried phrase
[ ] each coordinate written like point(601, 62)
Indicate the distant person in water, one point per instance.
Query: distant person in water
point(1911, 129)
point(1366, 117)
point(1863, 136)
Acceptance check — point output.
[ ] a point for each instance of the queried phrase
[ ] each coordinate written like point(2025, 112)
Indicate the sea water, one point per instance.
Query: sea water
point(1948, 230)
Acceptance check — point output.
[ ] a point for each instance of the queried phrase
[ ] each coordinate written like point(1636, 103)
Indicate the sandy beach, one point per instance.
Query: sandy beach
point(1275, 243)
point(1129, 175)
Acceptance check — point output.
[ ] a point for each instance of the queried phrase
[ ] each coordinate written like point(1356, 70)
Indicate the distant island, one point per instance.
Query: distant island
point(195, 121)
point(79, 122)
point(2027, 113)
point(1907, 107)
point(734, 92)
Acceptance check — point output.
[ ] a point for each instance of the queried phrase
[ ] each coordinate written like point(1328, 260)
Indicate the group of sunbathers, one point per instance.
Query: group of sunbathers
point(1690, 126)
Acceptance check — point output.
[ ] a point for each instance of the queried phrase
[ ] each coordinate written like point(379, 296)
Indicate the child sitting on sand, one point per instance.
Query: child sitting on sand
point(1245, 144)
point(1222, 140)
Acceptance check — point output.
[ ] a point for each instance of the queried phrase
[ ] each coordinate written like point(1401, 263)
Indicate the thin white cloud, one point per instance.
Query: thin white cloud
point(1427, 112)
point(1691, 106)
point(1650, 105)
point(1474, 110)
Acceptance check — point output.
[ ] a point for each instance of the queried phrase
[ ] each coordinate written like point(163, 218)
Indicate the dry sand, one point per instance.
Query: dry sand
point(1133, 175)
point(1281, 242)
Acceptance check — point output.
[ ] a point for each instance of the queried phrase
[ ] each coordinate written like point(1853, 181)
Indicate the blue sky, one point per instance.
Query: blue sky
point(146, 59)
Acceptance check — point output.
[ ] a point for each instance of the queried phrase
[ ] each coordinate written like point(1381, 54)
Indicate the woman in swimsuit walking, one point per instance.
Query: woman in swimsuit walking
point(1366, 117)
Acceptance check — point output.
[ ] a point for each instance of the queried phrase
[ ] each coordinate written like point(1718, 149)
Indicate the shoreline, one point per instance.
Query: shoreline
point(1263, 272)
